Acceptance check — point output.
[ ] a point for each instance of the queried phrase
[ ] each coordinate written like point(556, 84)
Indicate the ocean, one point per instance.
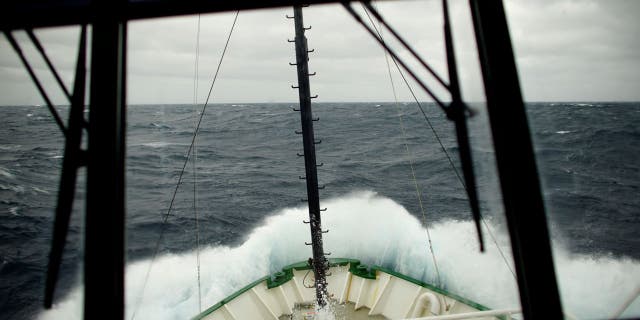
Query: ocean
point(247, 195)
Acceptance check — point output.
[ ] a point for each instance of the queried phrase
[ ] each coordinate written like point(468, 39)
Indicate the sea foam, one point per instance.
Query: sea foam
point(375, 230)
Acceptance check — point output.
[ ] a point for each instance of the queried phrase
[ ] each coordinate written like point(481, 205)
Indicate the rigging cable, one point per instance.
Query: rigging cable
point(444, 150)
point(390, 51)
point(194, 163)
point(188, 153)
point(410, 156)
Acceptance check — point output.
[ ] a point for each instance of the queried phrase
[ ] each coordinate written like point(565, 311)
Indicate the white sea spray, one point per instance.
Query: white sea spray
point(375, 230)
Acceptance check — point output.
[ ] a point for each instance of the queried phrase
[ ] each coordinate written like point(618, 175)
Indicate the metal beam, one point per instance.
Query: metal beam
point(36, 81)
point(515, 158)
point(22, 14)
point(457, 112)
point(105, 211)
point(73, 160)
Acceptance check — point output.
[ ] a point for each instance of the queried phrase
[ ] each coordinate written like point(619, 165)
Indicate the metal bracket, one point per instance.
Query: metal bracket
point(40, 48)
point(36, 81)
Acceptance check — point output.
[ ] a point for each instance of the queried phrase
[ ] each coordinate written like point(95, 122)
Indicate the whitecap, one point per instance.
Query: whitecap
point(157, 144)
point(160, 125)
point(38, 190)
point(563, 132)
point(5, 173)
point(9, 147)
point(14, 211)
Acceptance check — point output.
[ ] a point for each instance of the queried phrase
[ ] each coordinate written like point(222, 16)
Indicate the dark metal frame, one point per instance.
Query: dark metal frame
point(105, 208)
point(456, 110)
point(105, 216)
point(23, 14)
point(519, 181)
point(74, 158)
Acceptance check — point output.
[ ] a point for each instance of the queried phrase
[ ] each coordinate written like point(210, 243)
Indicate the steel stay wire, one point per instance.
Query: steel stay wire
point(410, 156)
point(194, 164)
point(188, 153)
point(437, 136)
point(380, 19)
point(395, 56)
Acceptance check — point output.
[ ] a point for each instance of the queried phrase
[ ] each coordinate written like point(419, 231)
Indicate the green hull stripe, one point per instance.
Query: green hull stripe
point(356, 268)
point(229, 298)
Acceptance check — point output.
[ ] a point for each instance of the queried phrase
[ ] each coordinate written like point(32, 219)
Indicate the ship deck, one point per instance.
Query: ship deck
point(342, 311)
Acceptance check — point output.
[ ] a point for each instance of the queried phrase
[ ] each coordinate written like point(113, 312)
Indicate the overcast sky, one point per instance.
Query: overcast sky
point(567, 50)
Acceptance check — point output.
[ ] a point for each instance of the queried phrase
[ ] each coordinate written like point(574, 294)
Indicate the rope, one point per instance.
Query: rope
point(409, 155)
point(188, 153)
point(195, 167)
point(444, 150)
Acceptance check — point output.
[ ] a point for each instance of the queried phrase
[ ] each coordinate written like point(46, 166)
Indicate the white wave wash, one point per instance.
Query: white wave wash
point(375, 230)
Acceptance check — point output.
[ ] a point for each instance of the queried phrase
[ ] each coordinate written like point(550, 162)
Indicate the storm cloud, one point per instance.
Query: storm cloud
point(566, 51)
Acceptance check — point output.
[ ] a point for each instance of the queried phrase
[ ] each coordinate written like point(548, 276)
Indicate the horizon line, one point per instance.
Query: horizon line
point(330, 102)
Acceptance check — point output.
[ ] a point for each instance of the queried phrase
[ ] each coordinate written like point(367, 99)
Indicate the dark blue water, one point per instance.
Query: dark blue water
point(588, 156)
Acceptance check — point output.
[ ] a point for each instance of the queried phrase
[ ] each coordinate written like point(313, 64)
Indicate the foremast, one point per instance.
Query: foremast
point(318, 262)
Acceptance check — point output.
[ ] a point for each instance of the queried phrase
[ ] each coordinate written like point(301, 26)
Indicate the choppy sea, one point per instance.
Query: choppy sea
point(248, 201)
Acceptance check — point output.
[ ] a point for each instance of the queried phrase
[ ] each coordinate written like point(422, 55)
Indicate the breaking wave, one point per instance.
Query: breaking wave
point(375, 230)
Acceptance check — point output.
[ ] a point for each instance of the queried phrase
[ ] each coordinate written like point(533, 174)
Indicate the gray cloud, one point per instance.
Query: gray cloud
point(577, 50)
point(566, 50)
